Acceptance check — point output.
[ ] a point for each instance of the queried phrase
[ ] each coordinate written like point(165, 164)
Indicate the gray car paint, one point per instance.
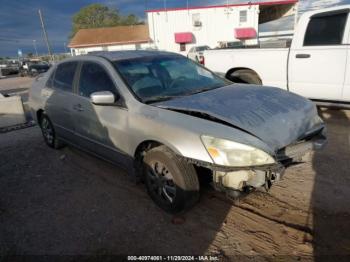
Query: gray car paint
point(276, 117)
point(127, 127)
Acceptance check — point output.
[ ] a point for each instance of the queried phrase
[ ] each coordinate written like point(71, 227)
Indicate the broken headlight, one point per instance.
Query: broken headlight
point(228, 153)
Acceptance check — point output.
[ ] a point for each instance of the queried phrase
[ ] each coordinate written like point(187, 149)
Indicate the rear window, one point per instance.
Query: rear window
point(326, 30)
point(64, 76)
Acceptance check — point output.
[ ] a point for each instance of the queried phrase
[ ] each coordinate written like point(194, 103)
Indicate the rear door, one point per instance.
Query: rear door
point(58, 105)
point(317, 68)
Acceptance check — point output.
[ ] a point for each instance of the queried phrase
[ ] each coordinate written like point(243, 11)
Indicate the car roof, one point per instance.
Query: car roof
point(130, 54)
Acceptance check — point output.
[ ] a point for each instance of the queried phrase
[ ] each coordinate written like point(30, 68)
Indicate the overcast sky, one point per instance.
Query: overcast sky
point(20, 25)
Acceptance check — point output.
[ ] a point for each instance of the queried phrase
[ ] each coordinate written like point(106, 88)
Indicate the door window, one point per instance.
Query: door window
point(94, 78)
point(64, 76)
point(326, 30)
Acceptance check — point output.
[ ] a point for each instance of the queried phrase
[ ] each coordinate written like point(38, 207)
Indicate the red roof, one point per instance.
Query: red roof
point(282, 2)
point(116, 35)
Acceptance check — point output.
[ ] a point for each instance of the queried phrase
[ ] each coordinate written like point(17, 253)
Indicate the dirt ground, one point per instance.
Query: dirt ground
point(69, 203)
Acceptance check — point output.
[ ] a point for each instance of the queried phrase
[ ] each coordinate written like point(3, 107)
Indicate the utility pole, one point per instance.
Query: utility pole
point(65, 47)
point(296, 13)
point(45, 34)
point(36, 51)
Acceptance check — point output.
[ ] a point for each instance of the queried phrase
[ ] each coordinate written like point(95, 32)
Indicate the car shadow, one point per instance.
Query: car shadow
point(331, 190)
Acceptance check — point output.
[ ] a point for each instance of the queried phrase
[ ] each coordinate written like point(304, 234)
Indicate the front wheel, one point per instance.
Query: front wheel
point(48, 132)
point(171, 182)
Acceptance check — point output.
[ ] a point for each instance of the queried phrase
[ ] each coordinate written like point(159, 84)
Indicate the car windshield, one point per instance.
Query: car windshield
point(158, 78)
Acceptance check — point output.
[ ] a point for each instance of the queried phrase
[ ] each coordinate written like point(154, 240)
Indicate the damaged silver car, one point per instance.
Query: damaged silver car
point(170, 121)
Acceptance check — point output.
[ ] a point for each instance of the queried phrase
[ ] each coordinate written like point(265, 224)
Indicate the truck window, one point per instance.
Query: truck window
point(326, 30)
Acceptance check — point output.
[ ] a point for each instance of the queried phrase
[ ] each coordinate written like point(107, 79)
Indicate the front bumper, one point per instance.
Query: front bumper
point(242, 178)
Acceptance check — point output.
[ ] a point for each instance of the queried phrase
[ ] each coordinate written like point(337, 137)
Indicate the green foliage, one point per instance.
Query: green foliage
point(98, 15)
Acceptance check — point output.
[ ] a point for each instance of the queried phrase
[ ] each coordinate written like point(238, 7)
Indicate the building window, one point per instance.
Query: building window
point(326, 30)
point(196, 20)
point(183, 47)
point(243, 16)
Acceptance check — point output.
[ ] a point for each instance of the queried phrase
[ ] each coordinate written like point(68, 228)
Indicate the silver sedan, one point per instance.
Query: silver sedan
point(170, 122)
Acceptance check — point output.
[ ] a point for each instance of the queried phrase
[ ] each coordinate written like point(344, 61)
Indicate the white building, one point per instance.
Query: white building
point(110, 39)
point(179, 29)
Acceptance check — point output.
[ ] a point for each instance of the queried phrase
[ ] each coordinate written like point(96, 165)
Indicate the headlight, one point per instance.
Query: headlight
point(229, 153)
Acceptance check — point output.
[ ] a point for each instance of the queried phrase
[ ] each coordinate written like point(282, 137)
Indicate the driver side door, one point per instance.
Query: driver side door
point(94, 123)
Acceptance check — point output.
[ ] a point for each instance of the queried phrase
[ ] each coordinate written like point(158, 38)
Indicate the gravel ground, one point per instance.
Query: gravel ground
point(69, 203)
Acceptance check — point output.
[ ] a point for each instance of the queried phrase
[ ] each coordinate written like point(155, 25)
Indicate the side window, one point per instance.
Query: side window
point(326, 30)
point(64, 76)
point(94, 78)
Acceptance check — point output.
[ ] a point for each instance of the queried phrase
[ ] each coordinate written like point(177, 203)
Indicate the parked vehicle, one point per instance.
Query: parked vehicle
point(8, 68)
point(33, 68)
point(169, 120)
point(196, 52)
point(315, 66)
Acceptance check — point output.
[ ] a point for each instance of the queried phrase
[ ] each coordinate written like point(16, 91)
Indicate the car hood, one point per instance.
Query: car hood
point(277, 117)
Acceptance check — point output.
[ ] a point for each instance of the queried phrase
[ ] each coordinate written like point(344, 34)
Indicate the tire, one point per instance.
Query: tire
point(171, 182)
point(245, 76)
point(49, 134)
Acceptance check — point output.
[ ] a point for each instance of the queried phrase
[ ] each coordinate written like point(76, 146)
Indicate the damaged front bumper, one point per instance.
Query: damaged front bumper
point(241, 179)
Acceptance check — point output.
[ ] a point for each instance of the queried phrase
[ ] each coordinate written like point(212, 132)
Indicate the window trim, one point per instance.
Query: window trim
point(326, 14)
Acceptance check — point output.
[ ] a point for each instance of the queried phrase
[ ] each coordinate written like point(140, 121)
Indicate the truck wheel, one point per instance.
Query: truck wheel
point(245, 76)
point(49, 134)
point(171, 182)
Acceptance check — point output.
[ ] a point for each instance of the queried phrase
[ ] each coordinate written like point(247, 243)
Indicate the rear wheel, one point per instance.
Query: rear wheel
point(48, 132)
point(245, 76)
point(171, 182)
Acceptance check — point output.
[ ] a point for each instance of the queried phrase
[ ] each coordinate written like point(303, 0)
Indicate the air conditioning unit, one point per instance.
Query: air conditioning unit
point(197, 23)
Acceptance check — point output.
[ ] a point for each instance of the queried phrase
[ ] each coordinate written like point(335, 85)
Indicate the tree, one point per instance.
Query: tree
point(130, 20)
point(98, 15)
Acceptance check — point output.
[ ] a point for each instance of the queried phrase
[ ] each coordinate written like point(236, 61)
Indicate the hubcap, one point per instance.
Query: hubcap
point(161, 182)
point(47, 130)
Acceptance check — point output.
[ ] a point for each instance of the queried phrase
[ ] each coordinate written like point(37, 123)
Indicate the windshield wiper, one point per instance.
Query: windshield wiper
point(203, 90)
point(158, 99)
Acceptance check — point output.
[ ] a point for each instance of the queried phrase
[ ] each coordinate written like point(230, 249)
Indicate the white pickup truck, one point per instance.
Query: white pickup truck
point(317, 65)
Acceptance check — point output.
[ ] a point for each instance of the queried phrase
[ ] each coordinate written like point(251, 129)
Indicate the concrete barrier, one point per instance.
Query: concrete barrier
point(11, 111)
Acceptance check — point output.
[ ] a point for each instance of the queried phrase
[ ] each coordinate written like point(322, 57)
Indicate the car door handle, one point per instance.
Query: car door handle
point(303, 56)
point(78, 108)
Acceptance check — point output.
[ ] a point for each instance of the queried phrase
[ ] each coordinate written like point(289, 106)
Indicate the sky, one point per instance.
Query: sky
point(20, 24)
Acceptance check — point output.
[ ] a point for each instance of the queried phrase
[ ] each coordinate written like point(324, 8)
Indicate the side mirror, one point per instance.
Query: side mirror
point(103, 98)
